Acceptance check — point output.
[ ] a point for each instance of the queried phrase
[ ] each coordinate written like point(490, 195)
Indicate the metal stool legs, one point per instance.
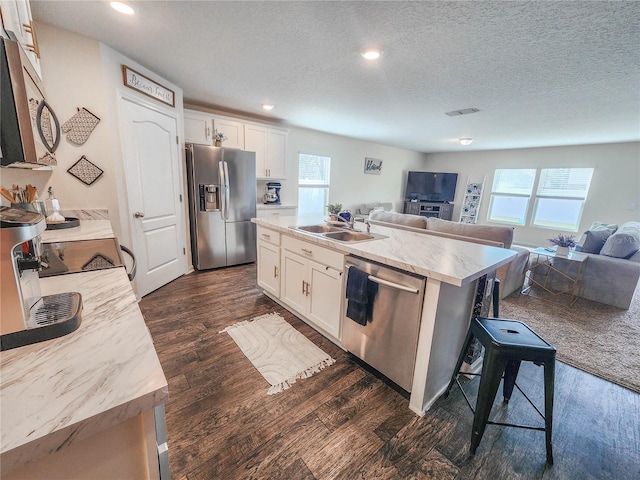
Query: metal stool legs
point(507, 343)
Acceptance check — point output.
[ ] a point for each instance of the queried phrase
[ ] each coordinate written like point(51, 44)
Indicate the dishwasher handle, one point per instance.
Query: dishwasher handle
point(397, 286)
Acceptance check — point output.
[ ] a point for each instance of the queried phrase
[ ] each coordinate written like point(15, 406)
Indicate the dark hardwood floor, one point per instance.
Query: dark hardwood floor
point(345, 422)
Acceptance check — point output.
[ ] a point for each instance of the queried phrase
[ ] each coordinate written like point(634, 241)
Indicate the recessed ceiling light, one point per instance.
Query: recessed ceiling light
point(122, 7)
point(371, 53)
point(466, 141)
point(268, 106)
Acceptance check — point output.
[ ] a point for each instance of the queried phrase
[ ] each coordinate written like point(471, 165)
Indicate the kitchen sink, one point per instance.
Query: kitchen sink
point(349, 236)
point(319, 228)
point(338, 233)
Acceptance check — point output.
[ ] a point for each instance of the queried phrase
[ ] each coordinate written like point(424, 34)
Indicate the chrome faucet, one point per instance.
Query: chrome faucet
point(349, 221)
point(368, 224)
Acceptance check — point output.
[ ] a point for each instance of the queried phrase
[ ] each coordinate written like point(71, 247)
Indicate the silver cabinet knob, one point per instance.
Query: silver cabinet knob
point(138, 214)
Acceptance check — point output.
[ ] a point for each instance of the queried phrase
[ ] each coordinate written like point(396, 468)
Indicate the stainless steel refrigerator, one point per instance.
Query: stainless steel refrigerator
point(222, 201)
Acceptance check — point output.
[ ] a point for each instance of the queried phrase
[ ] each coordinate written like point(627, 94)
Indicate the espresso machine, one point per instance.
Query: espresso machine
point(26, 316)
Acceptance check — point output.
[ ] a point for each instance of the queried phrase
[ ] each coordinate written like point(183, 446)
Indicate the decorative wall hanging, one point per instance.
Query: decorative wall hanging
point(142, 84)
point(372, 166)
point(85, 171)
point(79, 127)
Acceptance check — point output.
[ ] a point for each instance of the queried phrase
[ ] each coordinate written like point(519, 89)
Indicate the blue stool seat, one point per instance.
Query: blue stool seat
point(507, 343)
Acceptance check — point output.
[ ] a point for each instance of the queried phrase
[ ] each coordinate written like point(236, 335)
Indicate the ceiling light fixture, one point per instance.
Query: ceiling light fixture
point(123, 8)
point(371, 53)
point(268, 106)
point(466, 141)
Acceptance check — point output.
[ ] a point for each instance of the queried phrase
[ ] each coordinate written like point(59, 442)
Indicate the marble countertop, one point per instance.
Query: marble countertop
point(269, 206)
point(451, 261)
point(66, 389)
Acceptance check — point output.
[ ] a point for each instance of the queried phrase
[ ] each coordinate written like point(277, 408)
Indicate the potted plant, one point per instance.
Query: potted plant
point(218, 138)
point(563, 243)
point(334, 209)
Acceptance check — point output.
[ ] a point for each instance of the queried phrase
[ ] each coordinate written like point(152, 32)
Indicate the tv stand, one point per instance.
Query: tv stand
point(429, 209)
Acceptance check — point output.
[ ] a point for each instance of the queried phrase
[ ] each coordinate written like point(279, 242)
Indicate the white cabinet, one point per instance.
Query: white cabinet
point(198, 128)
point(16, 18)
point(232, 130)
point(269, 261)
point(312, 283)
point(270, 145)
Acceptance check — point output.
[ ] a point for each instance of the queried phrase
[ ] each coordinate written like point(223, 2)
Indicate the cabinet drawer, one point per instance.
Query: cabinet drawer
point(315, 252)
point(268, 236)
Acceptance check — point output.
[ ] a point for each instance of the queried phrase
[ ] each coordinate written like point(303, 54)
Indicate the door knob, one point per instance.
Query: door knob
point(138, 214)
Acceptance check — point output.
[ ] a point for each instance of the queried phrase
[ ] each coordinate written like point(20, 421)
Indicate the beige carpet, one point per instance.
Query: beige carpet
point(591, 336)
point(278, 351)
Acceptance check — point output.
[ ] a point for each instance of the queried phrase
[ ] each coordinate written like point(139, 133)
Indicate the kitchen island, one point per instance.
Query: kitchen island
point(452, 268)
point(84, 405)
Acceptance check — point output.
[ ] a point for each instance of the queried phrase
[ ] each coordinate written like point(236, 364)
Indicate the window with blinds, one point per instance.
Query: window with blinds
point(560, 197)
point(558, 203)
point(510, 195)
point(313, 183)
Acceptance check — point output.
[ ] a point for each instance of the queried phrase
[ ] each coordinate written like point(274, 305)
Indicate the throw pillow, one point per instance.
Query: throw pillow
point(593, 240)
point(597, 226)
point(624, 243)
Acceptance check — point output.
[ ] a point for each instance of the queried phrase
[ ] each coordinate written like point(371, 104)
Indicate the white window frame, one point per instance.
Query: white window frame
point(547, 183)
point(557, 184)
point(324, 186)
point(499, 194)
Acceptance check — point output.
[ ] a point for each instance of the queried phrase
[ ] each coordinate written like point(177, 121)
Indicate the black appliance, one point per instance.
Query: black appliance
point(431, 186)
point(29, 130)
point(83, 256)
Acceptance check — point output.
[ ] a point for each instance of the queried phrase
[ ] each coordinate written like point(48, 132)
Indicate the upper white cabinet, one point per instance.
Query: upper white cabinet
point(270, 144)
point(232, 130)
point(16, 18)
point(198, 128)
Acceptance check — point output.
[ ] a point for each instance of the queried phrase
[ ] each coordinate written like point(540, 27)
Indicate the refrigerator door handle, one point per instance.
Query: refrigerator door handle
point(223, 183)
point(226, 191)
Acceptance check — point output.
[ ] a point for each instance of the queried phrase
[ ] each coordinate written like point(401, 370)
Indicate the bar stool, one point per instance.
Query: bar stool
point(507, 343)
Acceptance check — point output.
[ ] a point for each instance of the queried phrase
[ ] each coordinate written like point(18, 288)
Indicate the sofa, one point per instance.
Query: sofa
point(612, 270)
point(511, 275)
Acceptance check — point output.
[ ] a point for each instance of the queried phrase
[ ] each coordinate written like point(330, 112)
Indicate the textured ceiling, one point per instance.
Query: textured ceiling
point(541, 73)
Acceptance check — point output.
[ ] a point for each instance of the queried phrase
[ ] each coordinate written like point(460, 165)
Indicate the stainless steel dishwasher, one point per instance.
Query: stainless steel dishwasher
point(389, 340)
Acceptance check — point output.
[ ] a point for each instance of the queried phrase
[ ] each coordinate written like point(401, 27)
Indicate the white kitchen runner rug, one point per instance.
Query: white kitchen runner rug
point(278, 351)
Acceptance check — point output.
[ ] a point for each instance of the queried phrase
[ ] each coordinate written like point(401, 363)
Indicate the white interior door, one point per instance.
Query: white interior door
point(154, 187)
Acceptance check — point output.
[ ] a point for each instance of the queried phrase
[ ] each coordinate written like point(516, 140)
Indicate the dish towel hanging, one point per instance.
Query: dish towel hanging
point(360, 293)
point(79, 127)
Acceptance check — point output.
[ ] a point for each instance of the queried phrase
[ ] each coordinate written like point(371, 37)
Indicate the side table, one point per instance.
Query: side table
point(556, 274)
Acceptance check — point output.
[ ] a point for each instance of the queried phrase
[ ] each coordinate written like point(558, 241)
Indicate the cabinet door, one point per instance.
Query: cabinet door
point(294, 281)
point(255, 140)
point(276, 153)
point(325, 298)
point(269, 268)
point(197, 128)
point(16, 18)
point(234, 131)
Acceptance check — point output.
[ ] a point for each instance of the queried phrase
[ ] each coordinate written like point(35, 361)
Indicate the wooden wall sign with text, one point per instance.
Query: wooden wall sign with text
point(142, 84)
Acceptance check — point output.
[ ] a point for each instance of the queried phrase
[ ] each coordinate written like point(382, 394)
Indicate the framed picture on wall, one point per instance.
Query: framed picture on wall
point(372, 166)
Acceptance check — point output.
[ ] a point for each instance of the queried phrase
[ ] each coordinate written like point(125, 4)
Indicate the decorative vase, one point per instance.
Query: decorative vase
point(564, 251)
point(218, 143)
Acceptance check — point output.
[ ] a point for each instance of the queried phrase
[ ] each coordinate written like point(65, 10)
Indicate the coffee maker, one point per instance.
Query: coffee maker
point(26, 316)
point(272, 197)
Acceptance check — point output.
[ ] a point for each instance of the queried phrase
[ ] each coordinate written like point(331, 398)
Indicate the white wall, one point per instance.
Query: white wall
point(81, 72)
point(615, 187)
point(350, 186)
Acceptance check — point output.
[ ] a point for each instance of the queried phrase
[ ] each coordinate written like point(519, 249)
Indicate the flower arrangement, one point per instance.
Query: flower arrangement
point(334, 208)
point(218, 136)
point(561, 240)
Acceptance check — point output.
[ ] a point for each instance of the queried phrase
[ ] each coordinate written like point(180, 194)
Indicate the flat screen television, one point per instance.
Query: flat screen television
point(431, 186)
